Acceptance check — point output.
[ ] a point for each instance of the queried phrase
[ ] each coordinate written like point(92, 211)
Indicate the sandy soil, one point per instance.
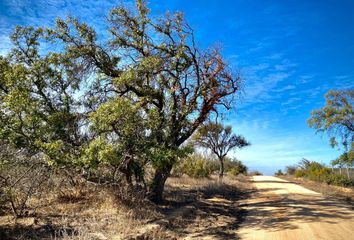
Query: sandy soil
point(284, 210)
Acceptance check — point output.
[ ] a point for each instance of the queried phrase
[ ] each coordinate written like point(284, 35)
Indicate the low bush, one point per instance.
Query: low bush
point(299, 173)
point(22, 178)
point(290, 170)
point(196, 166)
point(235, 167)
point(320, 173)
point(279, 173)
point(256, 173)
point(234, 171)
point(339, 180)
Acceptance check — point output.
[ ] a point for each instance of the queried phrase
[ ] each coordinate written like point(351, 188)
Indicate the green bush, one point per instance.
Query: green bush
point(299, 173)
point(290, 170)
point(235, 167)
point(339, 180)
point(213, 164)
point(320, 173)
point(197, 166)
point(279, 173)
point(235, 171)
point(256, 173)
point(317, 172)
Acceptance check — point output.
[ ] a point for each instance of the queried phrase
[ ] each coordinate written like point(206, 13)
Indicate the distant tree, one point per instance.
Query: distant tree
point(220, 140)
point(336, 118)
point(304, 164)
point(255, 173)
point(279, 173)
point(290, 170)
point(338, 163)
point(345, 159)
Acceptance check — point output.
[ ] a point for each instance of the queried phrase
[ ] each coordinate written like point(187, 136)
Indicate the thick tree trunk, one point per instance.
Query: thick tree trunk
point(158, 185)
point(221, 171)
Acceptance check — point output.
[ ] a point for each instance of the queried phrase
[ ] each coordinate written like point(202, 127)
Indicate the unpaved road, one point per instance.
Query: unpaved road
point(284, 210)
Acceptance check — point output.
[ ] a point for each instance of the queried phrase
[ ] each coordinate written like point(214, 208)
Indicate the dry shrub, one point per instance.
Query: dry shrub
point(23, 178)
point(101, 215)
point(72, 194)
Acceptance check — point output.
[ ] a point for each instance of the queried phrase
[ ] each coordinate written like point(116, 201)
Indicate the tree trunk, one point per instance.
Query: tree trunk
point(221, 171)
point(347, 171)
point(158, 185)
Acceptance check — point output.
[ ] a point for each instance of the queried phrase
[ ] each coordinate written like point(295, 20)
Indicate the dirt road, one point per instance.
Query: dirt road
point(284, 210)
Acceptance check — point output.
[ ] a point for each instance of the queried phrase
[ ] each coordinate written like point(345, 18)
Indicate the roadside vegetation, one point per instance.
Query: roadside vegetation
point(91, 129)
point(336, 119)
point(40, 202)
point(318, 172)
point(204, 165)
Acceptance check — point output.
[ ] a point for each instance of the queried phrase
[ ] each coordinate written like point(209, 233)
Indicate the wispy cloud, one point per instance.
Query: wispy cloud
point(276, 145)
point(282, 89)
point(291, 100)
point(44, 13)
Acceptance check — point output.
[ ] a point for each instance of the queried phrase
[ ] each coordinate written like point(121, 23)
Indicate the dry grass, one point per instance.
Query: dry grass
point(80, 212)
point(204, 208)
point(88, 212)
point(340, 193)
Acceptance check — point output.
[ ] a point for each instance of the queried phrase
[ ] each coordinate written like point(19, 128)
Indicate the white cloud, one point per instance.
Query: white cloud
point(282, 89)
point(291, 100)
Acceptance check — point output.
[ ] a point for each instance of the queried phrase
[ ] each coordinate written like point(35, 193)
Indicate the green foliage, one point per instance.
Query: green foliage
point(336, 118)
point(100, 152)
point(38, 109)
point(339, 180)
point(255, 173)
point(197, 166)
point(290, 170)
point(235, 167)
point(219, 140)
point(300, 173)
point(318, 172)
point(279, 173)
point(141, 103)
point(345, 159)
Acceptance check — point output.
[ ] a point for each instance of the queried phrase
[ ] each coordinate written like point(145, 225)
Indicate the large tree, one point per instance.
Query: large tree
point(220, 140)
point(151, 67)
point(337, 119)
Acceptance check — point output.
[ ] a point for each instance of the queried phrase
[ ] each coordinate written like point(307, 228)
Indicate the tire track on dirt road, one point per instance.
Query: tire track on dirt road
point(283, 210)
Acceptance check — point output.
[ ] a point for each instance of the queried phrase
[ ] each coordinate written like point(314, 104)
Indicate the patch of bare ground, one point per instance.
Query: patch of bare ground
point(345, 194)
point(194, 208)
point(281, 209)
point(204, 208)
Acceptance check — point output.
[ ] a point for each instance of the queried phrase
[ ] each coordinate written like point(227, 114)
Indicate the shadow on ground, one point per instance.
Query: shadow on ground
point(276, 212)
point(19, 231)
point(207, 211)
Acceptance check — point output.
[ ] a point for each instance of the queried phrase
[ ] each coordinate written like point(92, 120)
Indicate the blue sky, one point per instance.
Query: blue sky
point(289, 54)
